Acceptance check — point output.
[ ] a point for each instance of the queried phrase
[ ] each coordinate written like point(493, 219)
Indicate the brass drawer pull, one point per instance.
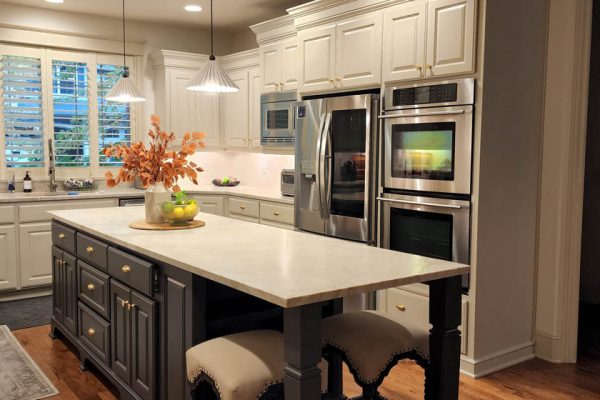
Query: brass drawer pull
point(91, 332)
point(276, 213)
point(125, 269)
point(124, 303)
point(401, 307)
point(243, 207)
point(91, 287)
point(61, 235)
point(130, 306)
point(89, 249)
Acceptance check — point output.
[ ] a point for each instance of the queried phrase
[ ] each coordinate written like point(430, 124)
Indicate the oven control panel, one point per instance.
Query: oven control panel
point(438, 94)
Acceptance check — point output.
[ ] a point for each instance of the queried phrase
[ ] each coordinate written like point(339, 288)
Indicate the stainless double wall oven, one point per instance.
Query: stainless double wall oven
point(426, 169)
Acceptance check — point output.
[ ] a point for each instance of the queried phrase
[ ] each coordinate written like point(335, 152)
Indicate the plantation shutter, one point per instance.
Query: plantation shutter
point(114, 119)
point(22, 111)
point(70, 101)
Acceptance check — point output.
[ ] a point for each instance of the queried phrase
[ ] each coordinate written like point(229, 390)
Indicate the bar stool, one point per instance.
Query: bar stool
point(371, 345)
point(242, 366)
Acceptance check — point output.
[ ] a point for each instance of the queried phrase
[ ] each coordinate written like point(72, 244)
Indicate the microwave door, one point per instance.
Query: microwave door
point(308, 199)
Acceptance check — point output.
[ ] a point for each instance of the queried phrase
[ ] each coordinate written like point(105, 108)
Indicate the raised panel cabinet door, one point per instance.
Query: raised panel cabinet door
point(211, 204)
point(235, 112)
point(70, 290)
point(181, 105)
point(120, 321)
point(35, 250)
point(317, 59)
point(404, 41)
point(270, 65)
point(254, 107)
point(289, 64)
point(450, 37)
point(358, 52)
point(207, 118)
point(8, 258)
point(143, 346)
point(58, 285)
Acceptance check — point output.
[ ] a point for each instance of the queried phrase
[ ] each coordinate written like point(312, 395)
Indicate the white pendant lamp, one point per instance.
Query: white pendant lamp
point(212, 78)
point(124, 90)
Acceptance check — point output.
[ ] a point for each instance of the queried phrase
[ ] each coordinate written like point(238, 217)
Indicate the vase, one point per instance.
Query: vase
point(155, 194)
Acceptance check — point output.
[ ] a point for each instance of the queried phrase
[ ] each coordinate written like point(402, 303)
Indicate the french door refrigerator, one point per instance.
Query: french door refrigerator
point(336, 164)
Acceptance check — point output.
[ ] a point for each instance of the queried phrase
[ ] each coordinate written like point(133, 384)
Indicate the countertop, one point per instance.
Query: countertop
point(284, 267)
point(254, 192)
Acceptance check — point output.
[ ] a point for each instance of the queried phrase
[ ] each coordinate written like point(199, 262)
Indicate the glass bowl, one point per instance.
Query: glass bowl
point(178, 214)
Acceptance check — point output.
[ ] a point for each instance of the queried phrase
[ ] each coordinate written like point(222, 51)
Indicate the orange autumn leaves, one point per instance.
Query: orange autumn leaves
point(156, 164)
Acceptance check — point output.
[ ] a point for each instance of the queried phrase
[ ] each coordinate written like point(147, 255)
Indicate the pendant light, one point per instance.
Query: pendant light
point(212, 78)
point(124, 90)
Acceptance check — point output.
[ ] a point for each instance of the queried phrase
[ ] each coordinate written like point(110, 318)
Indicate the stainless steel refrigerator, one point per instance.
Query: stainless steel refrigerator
point(336, 164)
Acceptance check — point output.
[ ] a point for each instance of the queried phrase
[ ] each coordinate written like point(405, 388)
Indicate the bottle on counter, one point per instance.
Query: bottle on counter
point(27, 183)
point(11, 185)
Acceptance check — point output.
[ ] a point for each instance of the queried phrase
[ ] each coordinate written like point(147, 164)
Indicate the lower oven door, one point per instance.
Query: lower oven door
point(430, 227)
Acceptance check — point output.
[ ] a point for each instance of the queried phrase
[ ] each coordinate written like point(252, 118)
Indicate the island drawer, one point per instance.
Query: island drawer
point(281, 213)
point(94, 333)
point(130, 270)
point(91, 250)
point(63, 237)
point(93, 288)
point(7, 215)
point(244, 207)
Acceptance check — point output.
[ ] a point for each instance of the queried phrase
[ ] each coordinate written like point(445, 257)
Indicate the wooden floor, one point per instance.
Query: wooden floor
point(534, 379)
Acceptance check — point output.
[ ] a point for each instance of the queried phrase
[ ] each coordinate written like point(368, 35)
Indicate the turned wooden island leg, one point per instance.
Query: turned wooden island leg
point(442, 376)
point(302, 339)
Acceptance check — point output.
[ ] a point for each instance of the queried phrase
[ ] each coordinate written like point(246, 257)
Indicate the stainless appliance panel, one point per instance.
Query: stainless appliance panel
point(287, 182)
point(131, 202)
point(277, 119)
point(458, 119)
point(432, 94)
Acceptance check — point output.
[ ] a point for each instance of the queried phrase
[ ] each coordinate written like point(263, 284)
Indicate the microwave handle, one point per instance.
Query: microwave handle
point(419, 203)
point(425, 114)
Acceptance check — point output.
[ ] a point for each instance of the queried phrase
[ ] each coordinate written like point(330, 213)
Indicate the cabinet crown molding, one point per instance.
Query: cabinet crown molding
point(274, 30)
point(170, 58)
point(321, 12)
point(242, 59)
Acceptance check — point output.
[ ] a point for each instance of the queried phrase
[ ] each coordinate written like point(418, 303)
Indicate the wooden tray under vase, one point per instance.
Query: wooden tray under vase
point(165, 226)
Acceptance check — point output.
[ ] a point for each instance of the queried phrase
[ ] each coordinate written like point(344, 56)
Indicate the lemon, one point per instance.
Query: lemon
point(168, 207)
point(190, 211)
point(178, 213)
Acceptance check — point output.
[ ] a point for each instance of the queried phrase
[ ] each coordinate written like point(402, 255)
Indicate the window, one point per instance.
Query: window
point(70, 100)
point(22, 111)
point(114, 119)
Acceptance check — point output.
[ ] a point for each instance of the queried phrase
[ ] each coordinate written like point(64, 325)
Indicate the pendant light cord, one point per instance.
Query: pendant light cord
point(212, 32)
point(125, 71)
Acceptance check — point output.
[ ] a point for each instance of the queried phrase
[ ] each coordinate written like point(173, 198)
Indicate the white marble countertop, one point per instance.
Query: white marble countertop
point(254, 192)
point(284, 267)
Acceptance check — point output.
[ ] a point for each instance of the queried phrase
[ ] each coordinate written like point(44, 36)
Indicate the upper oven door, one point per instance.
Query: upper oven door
point(277, 120)
point(429, 149)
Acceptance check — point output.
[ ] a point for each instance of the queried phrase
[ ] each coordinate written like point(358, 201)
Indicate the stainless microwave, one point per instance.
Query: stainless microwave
point(277, 119)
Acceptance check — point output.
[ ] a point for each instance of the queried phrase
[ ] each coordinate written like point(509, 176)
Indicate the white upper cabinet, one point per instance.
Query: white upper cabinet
point(317, 55)
point(450, 36)
point(358, 52)
point(428, 39)
point(289, 65)
point(404, 42)
point(279, 65)
point(254, 92)
point(234, 111)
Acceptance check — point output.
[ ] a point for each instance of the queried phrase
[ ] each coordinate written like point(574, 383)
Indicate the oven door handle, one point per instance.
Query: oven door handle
point(418, 203)
point(426, 114)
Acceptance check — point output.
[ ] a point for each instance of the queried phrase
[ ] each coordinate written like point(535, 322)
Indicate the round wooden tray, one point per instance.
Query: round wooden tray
point(165, 226)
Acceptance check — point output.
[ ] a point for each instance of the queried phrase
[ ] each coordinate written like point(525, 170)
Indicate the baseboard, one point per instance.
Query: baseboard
point(497, 361)
point(551, 349)
point(25, 293)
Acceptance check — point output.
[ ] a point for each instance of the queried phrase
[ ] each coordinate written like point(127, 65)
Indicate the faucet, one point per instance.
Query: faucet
point(51, 168)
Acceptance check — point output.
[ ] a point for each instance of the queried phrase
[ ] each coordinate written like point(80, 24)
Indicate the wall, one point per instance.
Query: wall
point(244, 40)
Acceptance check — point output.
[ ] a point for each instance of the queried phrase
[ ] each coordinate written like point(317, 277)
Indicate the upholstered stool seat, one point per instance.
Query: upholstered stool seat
point(242, 366)
point(371, 345)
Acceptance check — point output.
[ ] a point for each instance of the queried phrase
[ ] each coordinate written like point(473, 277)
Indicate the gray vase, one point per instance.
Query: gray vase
point(155, 195)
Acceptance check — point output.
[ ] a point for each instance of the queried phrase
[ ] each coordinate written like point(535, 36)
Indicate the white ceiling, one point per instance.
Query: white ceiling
point(229, 14)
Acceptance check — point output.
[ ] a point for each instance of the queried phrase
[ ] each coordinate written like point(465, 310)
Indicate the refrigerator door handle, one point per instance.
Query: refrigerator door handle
point(323, 157)
point(320, 182)
point(328, 158)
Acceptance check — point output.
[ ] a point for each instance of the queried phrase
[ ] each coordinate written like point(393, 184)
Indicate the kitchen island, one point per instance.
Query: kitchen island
point(178, 277)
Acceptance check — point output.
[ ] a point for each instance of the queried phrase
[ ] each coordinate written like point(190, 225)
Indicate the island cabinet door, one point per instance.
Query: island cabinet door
point(120, 321)
point(70, 292)
point(58, 285)
point(143, 346)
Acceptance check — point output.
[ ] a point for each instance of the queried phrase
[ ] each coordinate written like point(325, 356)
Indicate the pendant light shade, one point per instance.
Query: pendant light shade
point(212, 78)
point(125, 90)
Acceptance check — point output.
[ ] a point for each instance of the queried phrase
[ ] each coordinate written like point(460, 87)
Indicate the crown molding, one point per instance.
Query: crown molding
point(274, 30)
point(242, 59)
point(170, 58)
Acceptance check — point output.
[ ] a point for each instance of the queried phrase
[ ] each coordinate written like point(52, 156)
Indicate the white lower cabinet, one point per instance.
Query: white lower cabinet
point(8, 257)
point(35, 243)
point(245, 209)
point(211, 204)
point(410, 307)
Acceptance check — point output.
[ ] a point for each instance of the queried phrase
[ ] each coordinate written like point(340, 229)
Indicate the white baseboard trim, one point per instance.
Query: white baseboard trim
point(551, 349)
point(25, 294)
point(496, 361)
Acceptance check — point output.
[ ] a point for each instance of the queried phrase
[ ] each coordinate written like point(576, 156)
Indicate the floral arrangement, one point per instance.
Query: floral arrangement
point(156, 164)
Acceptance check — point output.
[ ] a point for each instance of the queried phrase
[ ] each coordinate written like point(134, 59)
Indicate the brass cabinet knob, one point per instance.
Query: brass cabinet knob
point(243, 207)
point(124, 303)
point(276, 213)
point(61, 235)
point(337, 78)
point(125, 269)
point(429, 67)
point(91, 332)
point(331, 80)
point(91, 287)
point(130, 306)
point(418, 67)
point(401, 307)
point(89, 249)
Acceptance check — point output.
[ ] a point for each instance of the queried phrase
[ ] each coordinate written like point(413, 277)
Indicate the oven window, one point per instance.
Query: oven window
point(423, 151)
point(277, 119)
point(421, 233)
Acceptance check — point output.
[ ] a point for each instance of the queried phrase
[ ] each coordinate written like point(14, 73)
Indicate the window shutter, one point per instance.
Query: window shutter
point(22, 111)
point(114, 119)
point(70, 100)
